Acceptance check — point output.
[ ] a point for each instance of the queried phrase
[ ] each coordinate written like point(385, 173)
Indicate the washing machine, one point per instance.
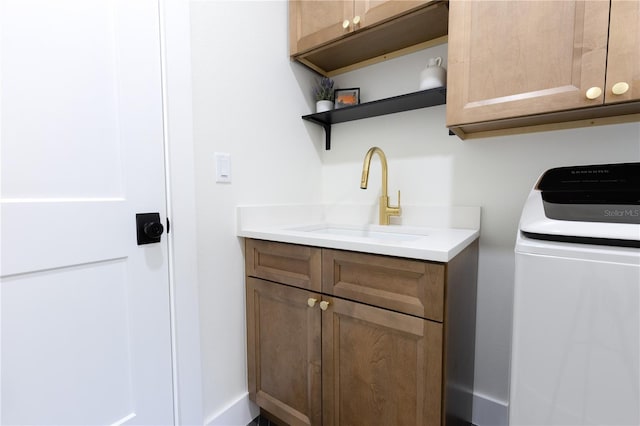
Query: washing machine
point(576, 325)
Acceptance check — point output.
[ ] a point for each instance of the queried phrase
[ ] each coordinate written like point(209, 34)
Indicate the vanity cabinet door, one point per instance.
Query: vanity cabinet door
point(511, 59)
point(379, 367)
point(283, 351)
point(409, 286)
point(299, 266)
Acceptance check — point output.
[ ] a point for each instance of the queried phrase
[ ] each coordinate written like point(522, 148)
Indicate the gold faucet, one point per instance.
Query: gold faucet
point(386, 211)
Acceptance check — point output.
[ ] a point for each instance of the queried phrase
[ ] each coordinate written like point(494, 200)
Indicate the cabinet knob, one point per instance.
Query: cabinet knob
point(620, 88)
point(594, 92)
point(324, 305)
point(356, 20)
point(311, 302)
point(345, 24)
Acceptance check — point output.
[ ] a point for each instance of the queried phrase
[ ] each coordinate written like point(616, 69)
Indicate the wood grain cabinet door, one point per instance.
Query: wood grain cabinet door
point(623, 63)
point(313, 23)
point(299, 266)
point(372, 12)
point(283, 350)
point(379, 367)
point(518, 58)
point(409, 286)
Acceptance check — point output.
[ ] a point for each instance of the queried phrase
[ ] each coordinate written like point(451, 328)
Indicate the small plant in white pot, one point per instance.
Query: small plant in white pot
point(324, 94)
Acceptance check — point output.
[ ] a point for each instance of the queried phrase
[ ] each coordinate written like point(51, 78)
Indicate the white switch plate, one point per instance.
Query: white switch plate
point(223, 167)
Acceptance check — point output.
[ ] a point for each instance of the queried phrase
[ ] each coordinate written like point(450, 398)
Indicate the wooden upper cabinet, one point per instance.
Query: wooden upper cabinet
point(315, 22)
point(623, 63)
point(333, 36)
point(372, 12)
point(509, 59)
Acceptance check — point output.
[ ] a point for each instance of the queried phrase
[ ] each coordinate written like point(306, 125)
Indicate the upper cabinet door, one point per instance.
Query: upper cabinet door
point(371, 12)
point(315, 22)
point(510, 59)
point(623, 64)
point(333, 36)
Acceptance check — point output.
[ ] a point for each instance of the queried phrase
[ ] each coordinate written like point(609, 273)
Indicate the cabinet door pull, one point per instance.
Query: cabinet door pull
point(356, 21)
point(345, 24)
point(594, 92)
point(324, 305)
point(311, 302)
point(620, 88)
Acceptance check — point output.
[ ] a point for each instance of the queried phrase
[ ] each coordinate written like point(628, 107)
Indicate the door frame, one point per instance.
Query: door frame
point(175, 42)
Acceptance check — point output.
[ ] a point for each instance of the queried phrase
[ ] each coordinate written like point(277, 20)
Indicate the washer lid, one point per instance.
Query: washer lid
point(595, 193)
point(534, 223)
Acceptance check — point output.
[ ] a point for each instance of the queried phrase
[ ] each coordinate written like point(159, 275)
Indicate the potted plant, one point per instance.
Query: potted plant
point(324, 94)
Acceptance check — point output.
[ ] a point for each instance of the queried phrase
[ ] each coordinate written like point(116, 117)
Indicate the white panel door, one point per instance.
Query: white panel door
point(85, 315)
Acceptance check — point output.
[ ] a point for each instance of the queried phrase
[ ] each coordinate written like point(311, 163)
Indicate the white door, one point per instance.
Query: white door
point(85, 315)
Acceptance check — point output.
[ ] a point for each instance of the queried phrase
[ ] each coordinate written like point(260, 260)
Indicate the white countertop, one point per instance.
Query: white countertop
point(432, 235)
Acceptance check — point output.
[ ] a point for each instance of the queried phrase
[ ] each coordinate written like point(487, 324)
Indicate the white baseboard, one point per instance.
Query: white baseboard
point(238, 413)
point(488, 411)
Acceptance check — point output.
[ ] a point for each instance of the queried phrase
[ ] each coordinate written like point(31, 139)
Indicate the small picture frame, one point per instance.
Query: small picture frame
point(346, 97)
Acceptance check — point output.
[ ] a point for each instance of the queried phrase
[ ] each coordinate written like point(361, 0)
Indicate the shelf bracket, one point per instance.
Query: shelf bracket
point(327, 136)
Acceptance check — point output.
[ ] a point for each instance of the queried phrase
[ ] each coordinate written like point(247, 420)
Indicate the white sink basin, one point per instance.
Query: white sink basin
point(378, 233)
point(430, 233)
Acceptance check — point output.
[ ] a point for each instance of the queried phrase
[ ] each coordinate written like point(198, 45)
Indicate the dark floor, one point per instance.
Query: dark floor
point(261, 421)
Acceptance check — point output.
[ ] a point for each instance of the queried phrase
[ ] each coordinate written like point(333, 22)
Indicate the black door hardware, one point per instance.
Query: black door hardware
point(149, 228)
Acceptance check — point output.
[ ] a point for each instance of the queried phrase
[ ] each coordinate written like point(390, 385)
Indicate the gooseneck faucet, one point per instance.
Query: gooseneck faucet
point(386, 211)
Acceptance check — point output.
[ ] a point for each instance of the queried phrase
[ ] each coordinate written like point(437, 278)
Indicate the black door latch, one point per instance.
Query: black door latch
point(149, 228)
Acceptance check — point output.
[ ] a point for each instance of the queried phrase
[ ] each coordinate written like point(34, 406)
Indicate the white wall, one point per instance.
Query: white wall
point(248, 99)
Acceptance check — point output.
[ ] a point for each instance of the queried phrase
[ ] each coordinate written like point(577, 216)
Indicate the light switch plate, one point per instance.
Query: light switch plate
point(223, 167)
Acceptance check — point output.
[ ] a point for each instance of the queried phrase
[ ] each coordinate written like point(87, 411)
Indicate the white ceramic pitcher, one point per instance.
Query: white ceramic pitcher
point(433, 75)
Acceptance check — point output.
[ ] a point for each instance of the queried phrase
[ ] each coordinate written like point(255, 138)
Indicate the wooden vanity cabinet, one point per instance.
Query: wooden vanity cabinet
point(359, 338)
point(330, 35)
point(529, 63)
point(283, 331)
point(284, 352)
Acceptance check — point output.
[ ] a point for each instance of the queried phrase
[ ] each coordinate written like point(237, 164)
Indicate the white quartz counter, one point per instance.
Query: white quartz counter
point(425, 232)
